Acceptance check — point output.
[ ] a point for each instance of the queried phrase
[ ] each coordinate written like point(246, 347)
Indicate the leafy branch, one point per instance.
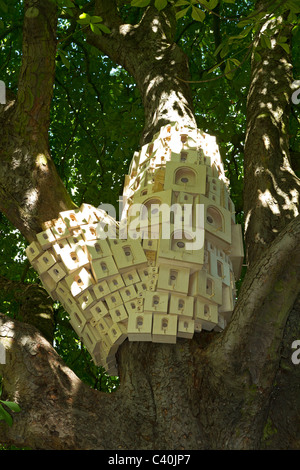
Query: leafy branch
point(12, 406)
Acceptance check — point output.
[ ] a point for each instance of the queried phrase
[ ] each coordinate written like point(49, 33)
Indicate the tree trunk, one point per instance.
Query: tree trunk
point(160, 68)
point(211, 392)
point(271, 191)
point(31, 191)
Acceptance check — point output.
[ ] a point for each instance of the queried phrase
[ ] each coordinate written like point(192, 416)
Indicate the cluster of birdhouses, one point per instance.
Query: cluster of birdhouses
point(158, 274)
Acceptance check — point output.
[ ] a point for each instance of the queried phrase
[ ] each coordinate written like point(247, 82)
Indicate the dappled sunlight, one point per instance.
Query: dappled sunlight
point(124, 29)
point(31, 196)
point(7, 335)
point(269, 201)
point(266, 141)
point(41, 162)
point(290, 203)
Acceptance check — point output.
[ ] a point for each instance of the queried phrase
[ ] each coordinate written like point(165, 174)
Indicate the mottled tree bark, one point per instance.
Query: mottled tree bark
point(149, 53)
point(35, 306)
point(31, 191)
point(271, 191)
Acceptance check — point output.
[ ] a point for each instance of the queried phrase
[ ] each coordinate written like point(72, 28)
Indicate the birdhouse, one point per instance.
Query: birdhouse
point(206, 313)
point(167, 269)
point(117, 333)
point(188, 178)
point(33, 251)
point(115, 283)
point(186, 327)
point(46, 238)
point(131, 277)
point(127, 254)
point(44, 262)
point(182, 305)
point(98, 310)
point(134, 306)
point(173, 279)
point(156, 302)
point(73, 258)
point(78, 281)
point(139, 327)
point(119, 314)
point(96, 249)
point(104, 268)
point(72, 219)
point(182, 249)
point(86, 300)
point(164, 328)
point(113, 300)
point(206, 287)
point(101, 289)
point(57, 272)
point(217, 223)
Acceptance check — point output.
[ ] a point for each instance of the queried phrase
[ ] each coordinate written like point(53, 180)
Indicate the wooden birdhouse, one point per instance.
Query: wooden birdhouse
point(167, 269)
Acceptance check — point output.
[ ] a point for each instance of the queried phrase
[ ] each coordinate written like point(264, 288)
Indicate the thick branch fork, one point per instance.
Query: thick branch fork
point(70, 415)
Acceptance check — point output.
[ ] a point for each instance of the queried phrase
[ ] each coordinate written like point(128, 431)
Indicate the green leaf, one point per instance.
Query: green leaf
point(104, 28)
point(197, 14)
point(96, 19)
point(4, 415)
point(182, 3)
point(242, 34)
point(210, 4)
point(64, 59)
point(236, 62)
point(228, 70)
point(219, 48)
point(257, 56)
point(160, 4)
point(12, 406)
point(292, 17)
point(84, 18)
point(228, 1)
point(213, 4)
point(181, 13)
point(95, 28)
point(140, 3)
point(224, 51)
point(266, 41)
point(284, 46)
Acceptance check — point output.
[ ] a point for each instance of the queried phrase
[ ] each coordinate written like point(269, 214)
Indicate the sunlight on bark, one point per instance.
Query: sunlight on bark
point(269, 201)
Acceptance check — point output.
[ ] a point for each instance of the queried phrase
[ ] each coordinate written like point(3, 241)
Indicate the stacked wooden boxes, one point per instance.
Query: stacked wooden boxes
point(169, 273)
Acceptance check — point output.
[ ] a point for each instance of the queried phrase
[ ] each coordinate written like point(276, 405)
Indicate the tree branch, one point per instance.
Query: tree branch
point(31, 191)
point(251, 343)
point(69, 416)
point(35, 305)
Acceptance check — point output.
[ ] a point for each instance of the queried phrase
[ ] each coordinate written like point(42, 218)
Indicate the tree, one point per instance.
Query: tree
point(231, 390)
